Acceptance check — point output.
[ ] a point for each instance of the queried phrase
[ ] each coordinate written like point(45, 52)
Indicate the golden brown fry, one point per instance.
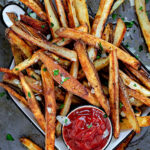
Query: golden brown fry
point(14, 93)
point(6, 70)
point(12, 17)
point(125, 142)
point(114, 91)
point(33, 74)
point(82, 13)
point(50, 108)
point(143, 20)
point(32, 102)
point(133, 84)
point(139, 96)
point(94, 41)
point(61, 13)
point(36, 6)
point(52, 17)
point(135, 102)
point(29, 144)
point(73, 21)
point(66, 80)
point(61, 51)
point(124, 98)
point(91, 75)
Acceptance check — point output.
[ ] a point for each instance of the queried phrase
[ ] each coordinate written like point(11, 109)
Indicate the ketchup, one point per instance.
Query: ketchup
point(90, 129)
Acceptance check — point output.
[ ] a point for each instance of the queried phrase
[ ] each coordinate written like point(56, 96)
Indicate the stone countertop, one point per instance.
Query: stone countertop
point(14, 122)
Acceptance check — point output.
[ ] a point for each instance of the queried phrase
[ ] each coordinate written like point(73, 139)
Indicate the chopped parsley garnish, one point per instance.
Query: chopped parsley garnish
point(122, 19)
point(129, 24)
point(141, 8)
point(137, 56)
point(16, 69)
point(63, 39)
point(61, 106)
point(56, 72)
point(105, 116)
point(66, 120)
point(29, 94)
point(114, 16)
point(89, 126)
point(101, 47)
point(120, 105)
point(140, 48)
point(134, 85)
point(9, 137)
point(67, 78)
point(98, 57)
point(43, 26)
point(44, 69)
point(146, 1)
point(2, 94)
point(51, 25)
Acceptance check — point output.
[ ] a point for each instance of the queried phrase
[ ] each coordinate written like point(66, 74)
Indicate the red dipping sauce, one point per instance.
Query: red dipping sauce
point(90, 129)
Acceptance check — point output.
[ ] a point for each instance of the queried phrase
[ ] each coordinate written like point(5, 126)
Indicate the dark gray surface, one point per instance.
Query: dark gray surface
point(13, 121)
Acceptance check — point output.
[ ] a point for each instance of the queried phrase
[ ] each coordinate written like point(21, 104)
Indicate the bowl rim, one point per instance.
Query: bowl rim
point(95, 107)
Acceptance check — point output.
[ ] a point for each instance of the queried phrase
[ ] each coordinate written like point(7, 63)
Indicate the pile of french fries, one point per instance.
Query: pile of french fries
point(52, 77)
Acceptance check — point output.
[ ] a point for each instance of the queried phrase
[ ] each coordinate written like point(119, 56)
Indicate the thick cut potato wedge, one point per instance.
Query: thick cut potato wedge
point(114, 92)
point(124, 98)
point(143, 20)
point(52, 17)
point(61, 51)
point(33, 74)
point(29, 144)
point(50, 108)
point(37, 7)
point(66, 80)
point(94, 41)
point(91, 75)
point(32, 102)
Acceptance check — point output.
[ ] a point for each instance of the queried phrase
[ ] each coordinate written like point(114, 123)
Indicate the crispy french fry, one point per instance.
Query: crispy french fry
point(73, 21)
point(50, 108)
point(29, 144)
point(52, 17)
point(91, 75)
point(145, 100)
point(37, 7)
point(143, 20)
point(124, 98)
point(135, 102)
point(61, 13)
point(14, 93)
point(36, 24)
point(114, 91)
point(33, 74)
point(133, 84)
point(5, 70)
point(82, 13)
point(32, 102)
point(65, 5)
point(64, 52)
point(116, 5)
point(94, 41)
point(15, 40)
point(66, 80)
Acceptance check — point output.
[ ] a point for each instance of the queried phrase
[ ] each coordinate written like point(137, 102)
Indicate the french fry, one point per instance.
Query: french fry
point(29, 144)
point(145, 100)
point(37, 7)
point(66, 80)
point(143, 20)
point(5, 70)
point(125, 142)
point(61, 51)
point(33, 74)
point(82, 13)
point(98, 24)
point(32, 102)
point(116, 5)
point(15, 40)
point(133, 84)
point(124, 98)
point(91, 75)
point(61, 13)
point(52, 17)
point(73, 21)
point(135, 102)
point(143, 121)
point(94, 41)
point(114, 91)
point(14, 93)
point(36, 24)
point(50, 108)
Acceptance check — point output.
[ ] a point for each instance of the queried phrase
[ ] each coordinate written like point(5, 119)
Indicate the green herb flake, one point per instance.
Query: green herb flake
point(67, 78)
point(44, 69)
point(61, 106)
point(56, 72)
point(51, 25)
point(16, 69)
point(89, 126)
point(134, 85)
point(29, 94)
point(129, 24)
point(137, 56)
point(43, 26)
point(141, 8)
point(114, 16)
point(122, 19)
point(63, 39)
point(140, 48)
point(2, 94)
point(66, 120)
point(9, 137)
point(98, 57)
point(120, 105)
point(105, 116)
point(101, 47)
